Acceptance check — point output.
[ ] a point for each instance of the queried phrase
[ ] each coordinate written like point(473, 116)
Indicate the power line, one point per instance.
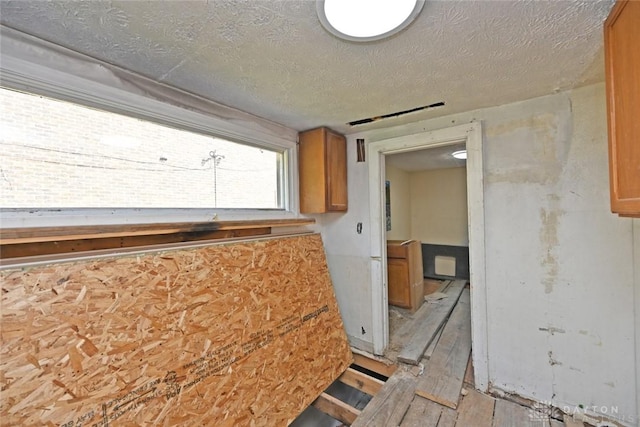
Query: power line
point(53, 150)
point(101, 167)
point(101, 156)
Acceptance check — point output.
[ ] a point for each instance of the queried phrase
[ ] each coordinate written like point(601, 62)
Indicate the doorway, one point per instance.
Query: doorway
point(471, 136)
point(427, 238)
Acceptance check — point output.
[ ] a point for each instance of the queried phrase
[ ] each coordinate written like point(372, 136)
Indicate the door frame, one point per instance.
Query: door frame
point(471, 135)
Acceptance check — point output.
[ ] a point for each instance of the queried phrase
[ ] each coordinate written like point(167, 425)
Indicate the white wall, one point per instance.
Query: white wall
point(439, 206)
point(400, 203)
point(559, 265)
point(348, 254)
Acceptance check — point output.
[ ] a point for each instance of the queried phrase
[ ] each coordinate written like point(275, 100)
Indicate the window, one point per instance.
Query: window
point(55, 154)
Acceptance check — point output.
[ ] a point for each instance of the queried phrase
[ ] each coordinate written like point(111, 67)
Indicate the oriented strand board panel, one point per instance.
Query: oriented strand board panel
point(229, 335)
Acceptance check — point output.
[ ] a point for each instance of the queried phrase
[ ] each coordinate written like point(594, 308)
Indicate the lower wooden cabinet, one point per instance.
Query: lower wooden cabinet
point(404, 269)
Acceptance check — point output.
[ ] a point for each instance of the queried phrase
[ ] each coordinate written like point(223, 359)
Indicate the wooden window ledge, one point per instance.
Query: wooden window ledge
point(24, 242)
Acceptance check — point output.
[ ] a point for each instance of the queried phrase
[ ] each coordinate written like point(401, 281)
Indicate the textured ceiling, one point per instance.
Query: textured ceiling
point(430, 158)
point(273, 58)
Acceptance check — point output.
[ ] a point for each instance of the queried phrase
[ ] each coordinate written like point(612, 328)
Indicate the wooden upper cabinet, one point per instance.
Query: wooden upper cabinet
point(323, 171)
point(622, 66)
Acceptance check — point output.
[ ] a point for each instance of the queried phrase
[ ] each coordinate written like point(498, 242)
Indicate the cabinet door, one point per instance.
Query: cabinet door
point(336, 172)
point(622, 54)
point(399, 288)
point(312, 171)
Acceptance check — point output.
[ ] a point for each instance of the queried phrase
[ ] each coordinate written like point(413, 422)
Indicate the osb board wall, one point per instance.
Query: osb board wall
point(240, 334)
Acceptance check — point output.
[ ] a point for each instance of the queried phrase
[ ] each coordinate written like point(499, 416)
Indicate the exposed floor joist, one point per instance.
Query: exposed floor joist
point(361, 381)
point(386, 369)
point(336, 408)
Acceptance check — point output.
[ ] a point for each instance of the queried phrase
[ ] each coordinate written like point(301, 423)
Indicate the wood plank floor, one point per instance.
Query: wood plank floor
point(443, 375)
point(399, 407)
point(431, 321)
point(399, 403)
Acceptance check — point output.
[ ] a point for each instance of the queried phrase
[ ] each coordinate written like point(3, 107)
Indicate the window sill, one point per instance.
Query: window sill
point(38, 241)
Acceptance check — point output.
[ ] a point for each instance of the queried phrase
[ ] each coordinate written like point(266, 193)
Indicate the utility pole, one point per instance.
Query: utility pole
point(217, 158)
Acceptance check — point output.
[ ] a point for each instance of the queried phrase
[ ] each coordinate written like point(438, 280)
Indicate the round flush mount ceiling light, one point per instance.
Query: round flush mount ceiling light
point(462, 154)
point(367, 20)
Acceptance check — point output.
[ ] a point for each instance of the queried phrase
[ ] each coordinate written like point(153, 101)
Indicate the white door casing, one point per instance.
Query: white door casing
point(471, 134)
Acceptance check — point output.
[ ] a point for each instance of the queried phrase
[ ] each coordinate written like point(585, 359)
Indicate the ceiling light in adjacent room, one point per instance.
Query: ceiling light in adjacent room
point(367, 20)
point(462, 154)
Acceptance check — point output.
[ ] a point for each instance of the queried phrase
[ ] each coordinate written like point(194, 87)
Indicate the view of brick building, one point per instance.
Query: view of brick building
point(74, 157)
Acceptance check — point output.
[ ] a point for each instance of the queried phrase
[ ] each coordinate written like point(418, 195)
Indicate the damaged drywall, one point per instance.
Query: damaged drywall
point(556, 258)
point(549, 220)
